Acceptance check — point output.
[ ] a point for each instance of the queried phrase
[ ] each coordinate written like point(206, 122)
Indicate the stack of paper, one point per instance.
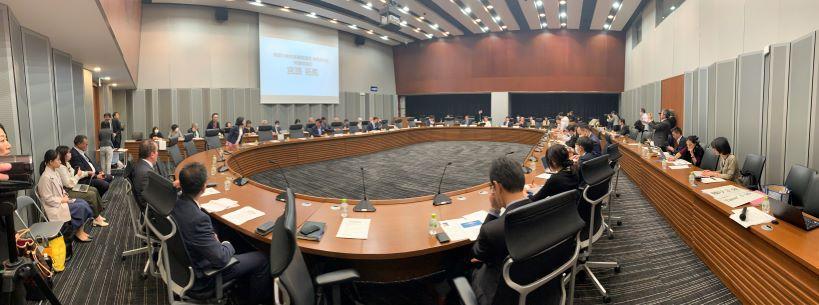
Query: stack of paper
point(544, 176)
point(733, 196)
point(707, 180)
point(242, 215)
point(753, 216)
point(354, 228)
point(678, 166)
point(210, 191)
point(466, 227)
point(218, 205)
point(681, 162)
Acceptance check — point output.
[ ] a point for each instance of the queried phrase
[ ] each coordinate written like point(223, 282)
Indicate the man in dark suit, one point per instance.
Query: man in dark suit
point(676, 142)
point(214, 121)
point(148, 154)
point(234, 137)
point(489, 250)
point(584, 150)
point(661, 130)
point(252, 273)
point(584, 130)
point(116, 127)
point(81, 161)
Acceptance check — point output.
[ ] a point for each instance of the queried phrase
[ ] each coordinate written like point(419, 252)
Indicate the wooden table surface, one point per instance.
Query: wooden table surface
point(760, 267)
point(398, 231)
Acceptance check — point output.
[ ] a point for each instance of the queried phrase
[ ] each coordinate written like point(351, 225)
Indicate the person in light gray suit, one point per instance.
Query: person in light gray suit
point(106, 138)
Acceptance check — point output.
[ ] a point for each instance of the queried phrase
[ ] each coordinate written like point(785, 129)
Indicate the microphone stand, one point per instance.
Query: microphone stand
point(241, 180)
point(441, 199)
point(364, 205)
point(282, 196)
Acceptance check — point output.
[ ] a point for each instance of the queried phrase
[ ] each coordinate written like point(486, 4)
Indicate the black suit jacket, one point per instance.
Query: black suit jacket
point(198, 235)
point(139, 178)
point(678, 146)
point(78, 161)
point(233, 136)
point(213, 126)
point(661, 132)
point(490, 248)
point(116, 126)
point(560, 182)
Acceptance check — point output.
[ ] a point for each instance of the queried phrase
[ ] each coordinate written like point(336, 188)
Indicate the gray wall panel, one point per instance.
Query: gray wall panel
point(750, 81)
point(8, 99)
point(42, 109)
point(702, 103)
point(725, 100)
point(800, 80)
point(712, 104)
point(813, 151)
point(165, 118)
point(184, 114)
point(79, 110)
point(688, 100)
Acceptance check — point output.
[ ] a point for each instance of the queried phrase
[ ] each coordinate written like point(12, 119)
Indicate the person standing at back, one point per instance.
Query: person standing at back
point(106, 147)
point(234, 138)
point(214, 121)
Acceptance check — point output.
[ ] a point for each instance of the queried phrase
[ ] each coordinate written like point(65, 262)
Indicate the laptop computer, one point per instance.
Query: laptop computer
point(792, 215)
point(80, 188)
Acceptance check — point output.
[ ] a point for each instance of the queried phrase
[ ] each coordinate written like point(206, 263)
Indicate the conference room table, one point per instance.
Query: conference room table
point(780, 266)
point(398, 245)
point(132, 147)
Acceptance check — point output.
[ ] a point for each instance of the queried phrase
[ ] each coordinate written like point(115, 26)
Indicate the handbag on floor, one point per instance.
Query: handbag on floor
point(28, 248)
point(56, 250)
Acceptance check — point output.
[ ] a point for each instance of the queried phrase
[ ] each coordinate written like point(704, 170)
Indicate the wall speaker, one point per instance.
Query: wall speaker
point(221, 14)
point(360, 40)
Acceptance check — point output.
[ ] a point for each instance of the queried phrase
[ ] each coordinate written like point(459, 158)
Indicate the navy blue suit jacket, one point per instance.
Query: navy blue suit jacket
point(199, 237)
point(77, 161)
point(233, 136)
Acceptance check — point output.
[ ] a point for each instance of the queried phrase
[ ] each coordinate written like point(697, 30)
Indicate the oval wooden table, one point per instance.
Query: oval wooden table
point(398, 246)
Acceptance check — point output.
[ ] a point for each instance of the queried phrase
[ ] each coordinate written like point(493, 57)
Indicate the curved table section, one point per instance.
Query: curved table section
point(398, 229)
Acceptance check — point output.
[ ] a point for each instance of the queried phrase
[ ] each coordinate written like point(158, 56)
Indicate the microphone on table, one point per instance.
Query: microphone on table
point(441, 199)
point(742, 215)
point(364, 205)
point(241, 180)
point(282, 196)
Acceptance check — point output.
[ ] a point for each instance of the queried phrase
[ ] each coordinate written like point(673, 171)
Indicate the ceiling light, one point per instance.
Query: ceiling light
point(97, 69)
point(496, 18)
point(312, 15)
point(543, 25)
point(446, 33)
point(490, 7)
point(353, 26)
point(607, 26)
point(562, 2)
point(417, 30)
point(256, 3)
point(333, 20)
point(105, 78)
point(285, 9)
point(385, 37)
point(673, 7)
point(403, 23)
point(370, 32)
point(485, 29)
point(478, 20)
point(542, 15)
point(563, 24)
point(434, 26)
point(114, 85)
point(615, 5)
point(611, 16)
point(538, 3)
point(562, 14)
point(422, 17)
point(406, 9)
point(503, 27)
point(467, 10)
point(429, 35)
point(368, 6)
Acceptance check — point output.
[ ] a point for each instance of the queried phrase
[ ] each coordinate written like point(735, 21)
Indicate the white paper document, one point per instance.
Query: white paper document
point(544, 176)
point(635, 144)
point(210, 191)
point(753, 216)
point(242, 215)
point(733, 196)
point(681, 162)
point(354, 228)
point(466, 227)
point(218, 205)
point(678, 167)
point(707, 180)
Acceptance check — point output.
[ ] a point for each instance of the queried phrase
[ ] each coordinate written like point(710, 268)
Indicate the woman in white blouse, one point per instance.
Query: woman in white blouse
point(56, 203)
point(70, 180)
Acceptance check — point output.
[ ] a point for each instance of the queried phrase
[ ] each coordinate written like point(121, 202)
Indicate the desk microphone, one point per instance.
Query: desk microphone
point(364, 205)
point(441, 199)
point(282, 196)
point(742, 215)
point(241, 180)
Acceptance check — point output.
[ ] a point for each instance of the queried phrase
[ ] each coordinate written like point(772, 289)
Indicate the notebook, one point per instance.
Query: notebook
point(80, 188)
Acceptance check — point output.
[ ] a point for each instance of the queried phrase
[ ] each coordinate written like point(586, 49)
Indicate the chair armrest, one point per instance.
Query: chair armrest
point(337, 277)
point(212, 272)
point(465, 291)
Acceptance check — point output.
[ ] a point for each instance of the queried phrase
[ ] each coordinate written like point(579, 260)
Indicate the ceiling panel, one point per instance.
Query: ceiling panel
point(573, 10)
point(373, 15)
point(430, 15)
point(601, 13)
point(505, 13)
point(453, 10)
point(624, 14)
point(552, 8)
point(530, 13)
point(480, 11)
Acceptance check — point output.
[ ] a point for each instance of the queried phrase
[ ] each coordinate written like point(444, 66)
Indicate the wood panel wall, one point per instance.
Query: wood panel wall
point(672, 97)
point(559, 61)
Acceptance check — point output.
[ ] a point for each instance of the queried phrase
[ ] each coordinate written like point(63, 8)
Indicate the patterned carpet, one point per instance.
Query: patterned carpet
point(405, 172)
point(658, 268)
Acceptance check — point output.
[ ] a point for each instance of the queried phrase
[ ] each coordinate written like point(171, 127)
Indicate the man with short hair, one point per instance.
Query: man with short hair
point(116, 127)
point(506, 180)
point(214, 121)
point(583, 150)
point(148, 156)
point(81, 161)
point(584, 130)
point(676, 142)
point(251, 273)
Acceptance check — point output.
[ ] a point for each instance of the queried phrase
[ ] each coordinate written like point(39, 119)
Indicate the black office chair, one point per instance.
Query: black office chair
point(811, 202)
point(212, 139)
point(137, 136)
point(292, 280)
point(226, 130)
point(543, 239)
point(353, 127)
point(538, 123)
point(709, 160)
point(265, 133)
point(310, 128)
point(754, 164)
point(613, 150)
point(144, 239)
point(338, 127)
point(449, 122)
point(365, 125)
point(596, 177)
point(798, 182)
point(174, 262)
point(173, 150)
point(398, 123)
point(296, 131)
point(190, 146)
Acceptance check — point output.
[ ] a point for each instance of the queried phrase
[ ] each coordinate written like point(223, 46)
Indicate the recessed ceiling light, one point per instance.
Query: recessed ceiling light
point(606, 26)
point(97, 69)
point(434, 26)
point(562, 2)
point(368, 6)
point(370, 32)
point(467, 10)
point(333, 20)
point(446, 33)
point(406, 9)
point(353, 26)
point(503, 27)
point(490, 7)
point(562, 14)
point(312, 15)
point(542, 15)
point(429, 35)
point(114, 85)
point(385, 37)
point(543, 25)
point(538, 3)
point(611, 16)
point(673, 7)
point(563, 24)
point(256, 3)
point(422, 17)
point(496, 18)
point(105, 78)
point(615, 4)
point(478, 20)
point(403, 23)
point(485, 29)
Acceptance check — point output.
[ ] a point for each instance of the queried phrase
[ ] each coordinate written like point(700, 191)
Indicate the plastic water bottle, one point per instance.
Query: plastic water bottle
point(665, 164)
point(227, 183)
point(433, 224)
point(765, 206)
point(213, 169)
point(692, 180)
point(344, 207)
point(213, 161)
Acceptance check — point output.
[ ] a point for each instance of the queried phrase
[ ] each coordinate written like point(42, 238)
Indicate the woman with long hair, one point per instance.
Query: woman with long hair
point(563, 177)
point(56, 203)
point(70, 178)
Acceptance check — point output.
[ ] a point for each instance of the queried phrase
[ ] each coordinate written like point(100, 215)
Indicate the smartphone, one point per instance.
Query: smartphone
point(442, 237)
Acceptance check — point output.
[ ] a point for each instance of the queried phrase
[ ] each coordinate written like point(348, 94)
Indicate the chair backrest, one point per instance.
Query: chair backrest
point(287, 265)
point(754, 164)
point(811, 201)
point(137, 135)
point(212, 138)
point(265, 133)
point(173, 150)
point(538, 123)
point(353, 127)
point(709, 160)
point(411, 124)
point(190, 146)
point(613, 150)
point(596, 177)
point(188, 137)
point(23, 202)
point(798, 181)
point(542, 239)
point(226, 130)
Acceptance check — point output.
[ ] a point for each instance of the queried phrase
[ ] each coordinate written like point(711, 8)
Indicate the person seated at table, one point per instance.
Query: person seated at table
point(692, 152)
point(175, 132)
point(487, 122)
point(194, 130)
point(676, 142)
point(584, 130)
point(430, 121)
point(563, 177)
point(375, 124)
point(277, 129)
point(156, 134)
point(583, 150)
point(228, 125)
point(571, 132)
point(80, 160)
point(318, 129)
point(345, 124)
point(70, 179)
point(252, 273)
point(489, 251)
point(56, 203)
point(214, 121)
point(249, 127)
point(234, 138)
point(727, 166)
point(507, 122)
point(623, 130)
